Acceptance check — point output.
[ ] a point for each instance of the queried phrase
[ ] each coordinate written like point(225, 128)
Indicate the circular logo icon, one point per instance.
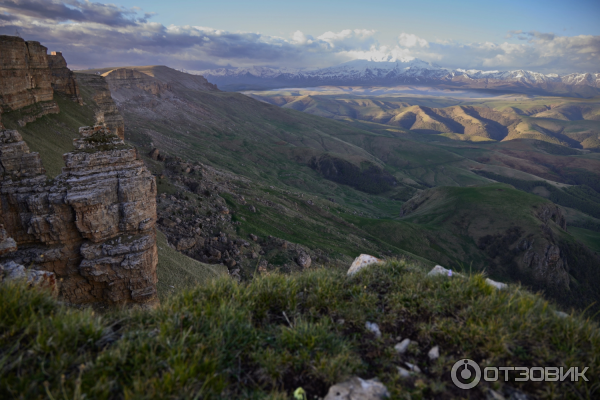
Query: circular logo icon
point(462, 375)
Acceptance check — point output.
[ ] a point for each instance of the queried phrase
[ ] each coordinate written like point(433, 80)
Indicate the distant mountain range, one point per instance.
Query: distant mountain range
point(415, 71)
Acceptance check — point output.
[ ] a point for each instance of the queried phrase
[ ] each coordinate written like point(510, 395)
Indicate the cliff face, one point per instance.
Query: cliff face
point(93, 226)
point(63, 79)
point(24, 72)
point(125, 79)
point(29, 77)
point(106, 110)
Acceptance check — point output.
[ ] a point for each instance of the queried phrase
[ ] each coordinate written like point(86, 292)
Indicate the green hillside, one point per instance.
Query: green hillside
point(270, 336)
point(339, 189)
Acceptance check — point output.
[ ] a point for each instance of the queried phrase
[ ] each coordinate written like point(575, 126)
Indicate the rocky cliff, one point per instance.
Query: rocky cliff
point(29, 77)
point(62, 78)
point(128, 79)
point(93, 226)
point(105, 109)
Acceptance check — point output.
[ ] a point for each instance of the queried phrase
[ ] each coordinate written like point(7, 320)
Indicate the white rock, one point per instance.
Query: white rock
point(434, 353)
point(362, 261)
point(413, 367)
point(404, 373)
point(373, 327)
point(402, 346)
point(14, 271)
point(497, 285)
point(439, 270)
point(561, 314)
point(358, 389)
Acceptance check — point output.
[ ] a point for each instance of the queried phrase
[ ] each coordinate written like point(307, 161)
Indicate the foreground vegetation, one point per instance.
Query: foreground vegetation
point(275, 333)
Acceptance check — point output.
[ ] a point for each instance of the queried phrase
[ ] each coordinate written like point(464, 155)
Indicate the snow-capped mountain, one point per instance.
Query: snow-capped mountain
point(414, 71)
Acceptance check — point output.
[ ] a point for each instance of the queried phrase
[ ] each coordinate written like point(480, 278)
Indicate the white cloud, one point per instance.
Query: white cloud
point(410, 40)
point(102, 35)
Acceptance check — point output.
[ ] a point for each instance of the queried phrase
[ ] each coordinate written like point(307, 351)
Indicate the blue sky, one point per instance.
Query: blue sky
point(467, 20)
point(545, 36)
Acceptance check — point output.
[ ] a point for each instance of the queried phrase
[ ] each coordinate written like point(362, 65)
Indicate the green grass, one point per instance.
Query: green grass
point(177, 271)
point(266, 337)
point(587, 237)
point(52, 135)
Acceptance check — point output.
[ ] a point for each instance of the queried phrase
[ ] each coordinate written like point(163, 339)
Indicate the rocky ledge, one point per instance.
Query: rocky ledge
point(93, 226)
point(29, 77)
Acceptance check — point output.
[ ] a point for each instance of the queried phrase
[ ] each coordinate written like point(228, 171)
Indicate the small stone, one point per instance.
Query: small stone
point(434, 353)
point(358, 389)
point(252, 208)
point(340, 321)
point(402, 346)
point(373, 327)
point(404, 373)
point(497, 285)
point(561, 314)
point(413, 367)
point(253, 237)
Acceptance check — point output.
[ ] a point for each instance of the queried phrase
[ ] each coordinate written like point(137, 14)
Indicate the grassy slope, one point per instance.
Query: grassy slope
point(447, 226)
point(176, 271)
point(265, 338)
point(53, 134)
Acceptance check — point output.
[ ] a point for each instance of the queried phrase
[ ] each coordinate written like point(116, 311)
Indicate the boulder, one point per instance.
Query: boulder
point(303, 259)
point(362, 261)
point(7, 244)
point(185, 243)
point(11, 271)
point(358, 389)
point(439, 270)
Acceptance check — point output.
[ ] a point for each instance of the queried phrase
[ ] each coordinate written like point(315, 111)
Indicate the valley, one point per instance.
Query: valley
point(335, 187)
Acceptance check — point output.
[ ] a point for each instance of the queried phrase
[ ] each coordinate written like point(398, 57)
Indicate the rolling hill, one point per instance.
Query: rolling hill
point(343, 185)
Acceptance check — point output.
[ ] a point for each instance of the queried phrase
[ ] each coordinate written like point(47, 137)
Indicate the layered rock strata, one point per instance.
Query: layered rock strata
point(106, 110)
point(63, 79)
point(93, 226)
point(25, 76)
point(29, 77)
point(126, 78)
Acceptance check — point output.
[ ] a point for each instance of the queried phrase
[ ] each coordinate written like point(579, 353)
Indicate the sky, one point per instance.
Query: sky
point(546, 36)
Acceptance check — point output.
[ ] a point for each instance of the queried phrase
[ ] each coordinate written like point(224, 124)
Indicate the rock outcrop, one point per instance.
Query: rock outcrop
point(126, 78)
point(29, 77)
point(93, 226)
point(26, 78)
point(7, 244)
point(62, 78)
point(106, 110)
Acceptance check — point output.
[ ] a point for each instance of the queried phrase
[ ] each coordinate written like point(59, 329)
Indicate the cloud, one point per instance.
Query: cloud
point(103, 35)
point(542, 52)
point(410, 40)
point(73, 10)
